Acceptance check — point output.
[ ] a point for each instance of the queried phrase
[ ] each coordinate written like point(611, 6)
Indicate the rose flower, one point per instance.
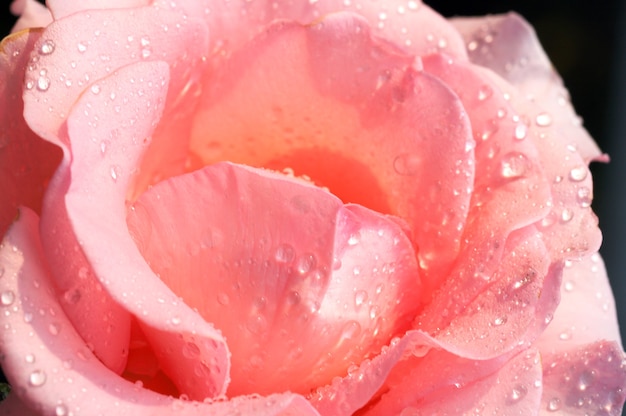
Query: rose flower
point(295, 207)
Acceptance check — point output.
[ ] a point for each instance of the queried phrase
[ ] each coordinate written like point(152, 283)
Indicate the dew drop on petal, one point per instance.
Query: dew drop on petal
point(61, 410)
point(115, 172)
point(578, 174)
point(543, 119)
point(306, 263)
point(554, 404)
point(29, 358)
point(350, 330)
point(37, 378)
point(484, 92)
point(407, 164)
point(7, 298)
point(513, 165)
point(567, 215)
point(43, 83)
point(360, 297)
point(47, 47)
point(284, 253)
point(520, 131)
point(81, 47)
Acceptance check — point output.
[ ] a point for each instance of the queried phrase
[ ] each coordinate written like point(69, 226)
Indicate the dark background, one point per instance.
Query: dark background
point(586, 42)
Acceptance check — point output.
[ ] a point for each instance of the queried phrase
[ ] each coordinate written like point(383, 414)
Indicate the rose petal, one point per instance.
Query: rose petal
point(96, 207)
point(508, 45)
point(586, 312)
point(279, 266)
point(588, 379)
point(76, 51)
point(346, 109)
point(63, 8)
point(513, 387)
point(412, 26)
point(31, 14)
point(26, 161)
point(51, 369)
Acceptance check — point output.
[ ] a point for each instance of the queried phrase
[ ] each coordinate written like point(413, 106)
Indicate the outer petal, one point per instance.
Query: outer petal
point(96, 207)
point(50, 367)
point(586, 312)
point(300, 284)
point(26, 161)
point(508, 45)
point(346, 108)
point(31, 13)
point(588, 379)
point(83, 47)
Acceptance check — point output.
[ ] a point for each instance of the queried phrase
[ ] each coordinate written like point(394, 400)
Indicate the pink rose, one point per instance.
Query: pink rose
point(322, 207)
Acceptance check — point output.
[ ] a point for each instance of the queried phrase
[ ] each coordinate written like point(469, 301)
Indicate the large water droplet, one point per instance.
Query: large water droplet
point(360, 297)
point(47, 47)
point(306, 263)
point(43, 83)
point(284, 253)
point(7, 298)
point(407, 164)
point(514, 165)
point(578, 174)
point(37, 378)
point(520, 131)
point(543, 119)
point(554, 404)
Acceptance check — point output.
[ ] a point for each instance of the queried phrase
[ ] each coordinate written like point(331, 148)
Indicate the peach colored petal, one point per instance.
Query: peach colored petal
point(26, 161)
point(52, 370)
point(587, 379)
point(586, 312)
point(63, 8)
point(96, 206)
point(31, 14)
point(508, 45)
point(300, 285)
point(345, 108)
point(475, 387)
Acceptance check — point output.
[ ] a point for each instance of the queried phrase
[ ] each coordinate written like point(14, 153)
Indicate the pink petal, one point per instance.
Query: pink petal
point(63, 8)
point(588, 379)
point(26, 161)
point(586, 313)
point(96, 207)
point(83, 39)
point(508, 45)
point(345, 108)
point(50, 367)
point(31, 14)
point(411, 26)
point(440, 383)
point(300, 285)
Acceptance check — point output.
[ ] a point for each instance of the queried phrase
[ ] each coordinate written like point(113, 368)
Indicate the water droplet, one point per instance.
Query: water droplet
point(585, 380)
point(83, 273)
point(356, 271)
point(191, 350)
point(7, 298)
point(47, 47)
point(543, 119)
point(567, 215)
point(578, 174)
point(554, 404)
point(54, 328)
point(43, 83)
point(484, 92)
point(37, 378)
point(514, 165)
point(29, 358)
point(359, 298)
point(374, 311)
point(223, 299)
point(501, 320)
point(81, 47)
point(95, 89)
point(354, 239)
point(583, 194)
point(569, 286)
point(306, 263)
point(350, 330)
point(517, 394)
point(520, 131)
point(175, 320)
point(115, 172)
point(284, 253)
point(565, 335)
point(413, 5)
point(61, 410)
point(407, 164)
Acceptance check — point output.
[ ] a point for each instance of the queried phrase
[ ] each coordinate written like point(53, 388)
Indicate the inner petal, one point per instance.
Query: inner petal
point(333, 102)
point(301, 285)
